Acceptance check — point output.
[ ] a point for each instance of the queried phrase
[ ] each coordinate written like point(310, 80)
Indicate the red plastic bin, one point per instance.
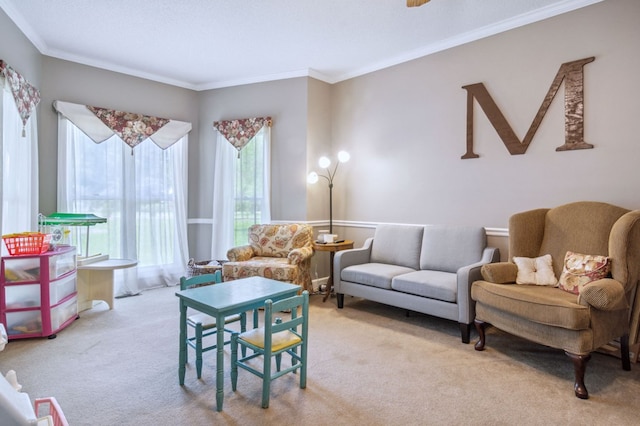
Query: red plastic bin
point(27, 243)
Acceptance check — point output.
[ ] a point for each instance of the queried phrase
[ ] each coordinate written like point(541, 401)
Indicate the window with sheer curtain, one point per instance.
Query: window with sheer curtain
point(141, 192)
point(241, 195)
point(19, 166)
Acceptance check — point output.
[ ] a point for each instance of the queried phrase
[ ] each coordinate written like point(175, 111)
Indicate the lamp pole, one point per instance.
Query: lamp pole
point(325, 163)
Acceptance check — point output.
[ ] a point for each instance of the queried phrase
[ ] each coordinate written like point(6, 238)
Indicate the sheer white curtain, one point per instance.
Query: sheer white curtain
point(224, 202)
point(19, 167)
point(142, 193)
point(227, 190)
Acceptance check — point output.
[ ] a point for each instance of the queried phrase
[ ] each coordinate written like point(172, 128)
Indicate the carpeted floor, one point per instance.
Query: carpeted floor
point(368, 364)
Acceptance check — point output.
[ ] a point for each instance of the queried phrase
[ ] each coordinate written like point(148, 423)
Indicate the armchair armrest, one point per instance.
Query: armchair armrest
point(606, 294)
point(238, 254)
point(299, 255)
point(500, 272)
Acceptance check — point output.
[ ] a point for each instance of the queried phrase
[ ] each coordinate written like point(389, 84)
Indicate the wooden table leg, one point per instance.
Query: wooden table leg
point(219, 362)
point(182, 357)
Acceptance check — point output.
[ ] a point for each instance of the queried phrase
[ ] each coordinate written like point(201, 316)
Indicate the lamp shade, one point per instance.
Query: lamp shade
point(312, 177)
point(343, 156)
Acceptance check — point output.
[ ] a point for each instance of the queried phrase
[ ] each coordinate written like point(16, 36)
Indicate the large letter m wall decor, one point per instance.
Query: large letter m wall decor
point(573, 75)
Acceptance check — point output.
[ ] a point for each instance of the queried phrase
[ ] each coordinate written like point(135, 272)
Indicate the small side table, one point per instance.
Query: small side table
point(95, 281)
point(332, 248)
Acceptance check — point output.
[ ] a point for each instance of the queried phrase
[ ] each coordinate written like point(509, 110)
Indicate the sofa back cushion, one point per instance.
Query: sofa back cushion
point(278, 240)
point(448, 248)
point(397, 245)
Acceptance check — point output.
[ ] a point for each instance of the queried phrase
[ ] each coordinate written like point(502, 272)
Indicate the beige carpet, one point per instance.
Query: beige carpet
point(369, 364)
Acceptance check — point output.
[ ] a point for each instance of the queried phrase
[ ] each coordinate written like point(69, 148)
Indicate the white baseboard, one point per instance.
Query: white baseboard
point(318, 282)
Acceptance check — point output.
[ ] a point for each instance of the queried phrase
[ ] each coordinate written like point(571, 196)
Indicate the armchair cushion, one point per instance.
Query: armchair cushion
point(541, 304)
point(581, 269)
point(275, 268)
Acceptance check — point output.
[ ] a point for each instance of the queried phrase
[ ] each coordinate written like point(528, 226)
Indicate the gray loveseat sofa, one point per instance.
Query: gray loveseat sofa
point(427, 269)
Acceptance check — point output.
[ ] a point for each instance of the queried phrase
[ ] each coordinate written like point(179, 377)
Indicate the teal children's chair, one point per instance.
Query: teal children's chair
point(205, 325)
point(272, 340)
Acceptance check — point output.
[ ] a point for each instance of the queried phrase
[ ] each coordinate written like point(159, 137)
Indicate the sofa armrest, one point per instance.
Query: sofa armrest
point(345, 258)
point(239, 254)
point(299, 255)
point(466, 275)
point(606, 294)
point(500, 272)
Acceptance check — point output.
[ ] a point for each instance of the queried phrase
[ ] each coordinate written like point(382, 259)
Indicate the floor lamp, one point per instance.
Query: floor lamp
point(313, 177)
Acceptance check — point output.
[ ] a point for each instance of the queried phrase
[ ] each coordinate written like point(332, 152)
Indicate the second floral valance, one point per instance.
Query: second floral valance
point(240, 132)
point(26, 96)
point(100, 124)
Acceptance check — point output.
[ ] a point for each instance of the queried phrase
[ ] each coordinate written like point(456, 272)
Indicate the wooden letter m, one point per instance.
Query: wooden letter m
point(573, 75)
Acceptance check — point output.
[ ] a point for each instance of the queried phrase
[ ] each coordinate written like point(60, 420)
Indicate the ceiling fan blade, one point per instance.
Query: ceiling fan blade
point(413, 3)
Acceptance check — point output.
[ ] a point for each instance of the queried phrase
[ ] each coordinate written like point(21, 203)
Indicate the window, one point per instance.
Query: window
point(241, 194)
point(250, 192)
point(141, 192)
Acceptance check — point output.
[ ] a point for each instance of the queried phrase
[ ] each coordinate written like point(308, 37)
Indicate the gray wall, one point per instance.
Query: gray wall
point(17, 51)
point(405, 125)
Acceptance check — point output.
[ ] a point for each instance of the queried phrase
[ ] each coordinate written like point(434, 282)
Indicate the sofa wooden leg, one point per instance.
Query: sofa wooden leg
point(480, 326)
point(465, 331)
point(624, 352)
point(340, 298)
point(579, 366)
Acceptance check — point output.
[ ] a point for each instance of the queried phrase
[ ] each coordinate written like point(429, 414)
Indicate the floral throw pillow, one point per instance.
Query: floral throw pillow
point(581, 269)
point(537, 271)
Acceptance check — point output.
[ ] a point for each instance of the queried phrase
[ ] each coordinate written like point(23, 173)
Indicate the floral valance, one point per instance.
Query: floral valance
point(100, 124)
point(26, 96)
point(240, 132)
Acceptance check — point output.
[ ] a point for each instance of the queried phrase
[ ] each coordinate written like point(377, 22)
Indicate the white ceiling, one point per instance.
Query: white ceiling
point(206, 44)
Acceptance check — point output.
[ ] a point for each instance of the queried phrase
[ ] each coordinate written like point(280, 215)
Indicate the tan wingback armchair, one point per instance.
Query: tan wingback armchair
point(576, 323)
point(278, 251)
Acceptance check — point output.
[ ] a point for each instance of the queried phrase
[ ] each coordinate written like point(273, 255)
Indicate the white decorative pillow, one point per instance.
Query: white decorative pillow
point(538, 271)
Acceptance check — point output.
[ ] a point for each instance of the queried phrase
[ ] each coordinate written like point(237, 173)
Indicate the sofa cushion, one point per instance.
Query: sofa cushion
point(541, 304)
point(373, 274)
point(432, 284)
point(448, 248)
point(397, 245)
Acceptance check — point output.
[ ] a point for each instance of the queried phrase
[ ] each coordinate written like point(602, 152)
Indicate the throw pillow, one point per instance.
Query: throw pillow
point(538, 271)
point(581, 269)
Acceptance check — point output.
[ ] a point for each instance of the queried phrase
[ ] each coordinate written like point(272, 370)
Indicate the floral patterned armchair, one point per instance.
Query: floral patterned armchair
point(278, 251)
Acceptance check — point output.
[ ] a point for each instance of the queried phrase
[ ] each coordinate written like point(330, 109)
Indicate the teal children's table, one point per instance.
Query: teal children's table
point(220, 301)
